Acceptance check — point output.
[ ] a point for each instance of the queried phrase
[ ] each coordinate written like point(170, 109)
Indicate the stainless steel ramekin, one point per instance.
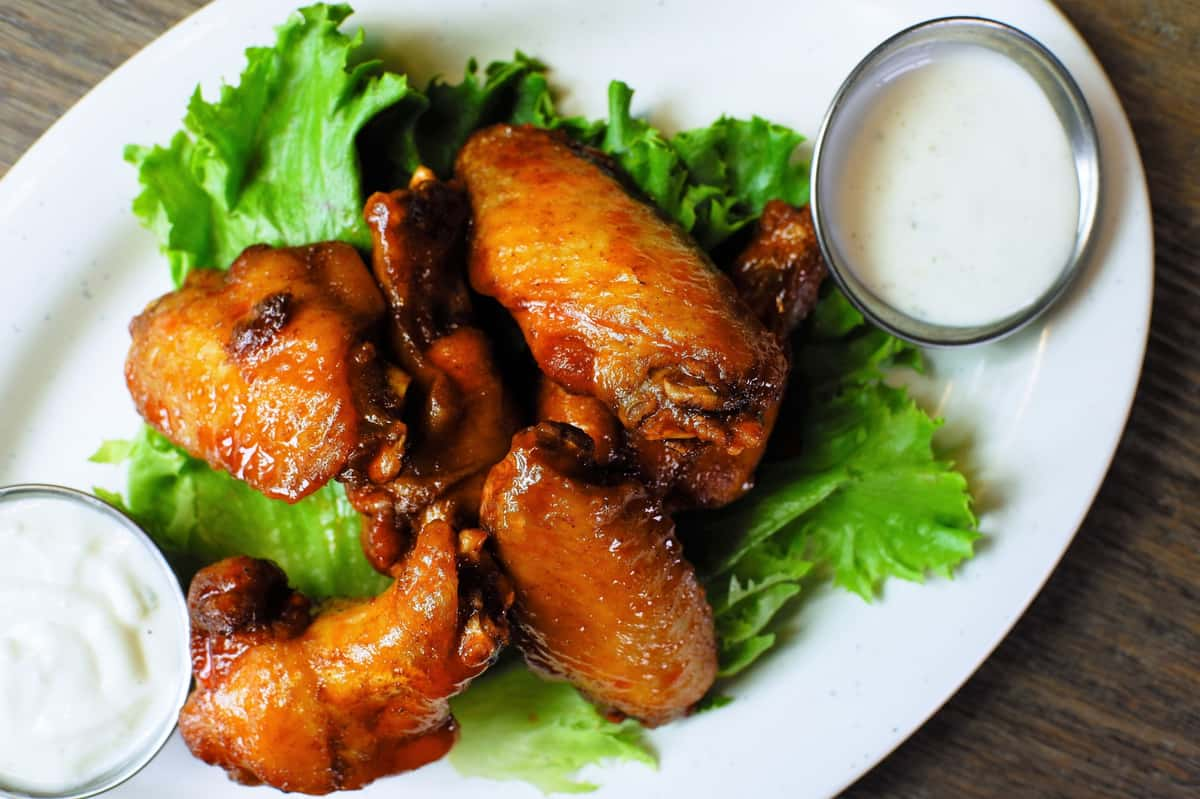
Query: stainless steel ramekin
point(156, 736)
point(923, 42)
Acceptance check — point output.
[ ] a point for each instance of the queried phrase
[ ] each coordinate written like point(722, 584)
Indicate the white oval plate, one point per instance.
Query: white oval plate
point(1041, 413)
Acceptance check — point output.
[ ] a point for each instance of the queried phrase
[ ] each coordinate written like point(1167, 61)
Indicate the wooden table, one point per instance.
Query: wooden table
point(1097, 691)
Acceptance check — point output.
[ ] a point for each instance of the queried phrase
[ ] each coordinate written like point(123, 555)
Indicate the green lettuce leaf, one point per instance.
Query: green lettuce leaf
point(900, 511)
point(533, 104)
point(200, 515)
point(273, 159)
point(516, 726)
point(866, 499)
point(751, 160)
point(457, 109)
point(713, 181)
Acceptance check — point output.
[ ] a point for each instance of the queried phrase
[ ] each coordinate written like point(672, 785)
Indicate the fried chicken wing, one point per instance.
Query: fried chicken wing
point(615, 302)
point(604, 596)
point(779, 274)
point(459, 415)
point(359, 692)
point(272, 372)
point(267, 371)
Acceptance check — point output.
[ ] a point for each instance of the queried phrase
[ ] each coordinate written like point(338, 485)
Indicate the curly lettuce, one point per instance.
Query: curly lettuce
point(273, 159)
point(199, 515)
point(517, 726)
point(867, 499)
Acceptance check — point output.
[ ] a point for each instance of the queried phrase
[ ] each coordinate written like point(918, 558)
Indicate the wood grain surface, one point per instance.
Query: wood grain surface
point(1096, 693)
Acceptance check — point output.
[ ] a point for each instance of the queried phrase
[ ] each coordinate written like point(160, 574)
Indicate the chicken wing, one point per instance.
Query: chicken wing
point(604, 597)
point(459, 415)
point(267, 370)
point(779, 274)
point(271, 371)
point(614, 302)
point(359, 692)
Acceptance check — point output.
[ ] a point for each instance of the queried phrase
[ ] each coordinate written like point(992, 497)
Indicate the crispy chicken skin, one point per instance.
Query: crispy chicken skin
point(604, 596)
point(614, 302)
point(265, 371)
point(359, 692)
point(459, 415)
point(779, 274)
point(691, 476)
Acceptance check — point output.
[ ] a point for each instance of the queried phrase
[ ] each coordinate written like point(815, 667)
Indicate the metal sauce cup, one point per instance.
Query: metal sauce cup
point(922, 43)
point(159, 729)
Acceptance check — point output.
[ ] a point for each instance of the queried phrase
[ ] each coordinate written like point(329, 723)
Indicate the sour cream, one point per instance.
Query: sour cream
point(93, 644)
point(957, 198)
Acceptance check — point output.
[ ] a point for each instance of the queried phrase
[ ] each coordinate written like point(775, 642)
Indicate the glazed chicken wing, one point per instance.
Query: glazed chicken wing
point(270, 371)
point(459, 415)
point(779, 274)
point(604, 597)
point(359, 692)
point(614, 302)
point(266, 370)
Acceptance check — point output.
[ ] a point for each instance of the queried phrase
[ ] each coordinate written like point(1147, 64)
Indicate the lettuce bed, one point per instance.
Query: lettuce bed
point(285, 157)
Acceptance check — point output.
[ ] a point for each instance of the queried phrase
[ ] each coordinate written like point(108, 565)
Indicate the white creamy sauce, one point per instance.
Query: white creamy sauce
point(958, 198)
point(91, 645)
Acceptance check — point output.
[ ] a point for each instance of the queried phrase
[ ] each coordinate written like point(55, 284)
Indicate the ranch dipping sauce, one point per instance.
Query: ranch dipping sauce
point(958, 199)
point(956, 182)
point(93, 645)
